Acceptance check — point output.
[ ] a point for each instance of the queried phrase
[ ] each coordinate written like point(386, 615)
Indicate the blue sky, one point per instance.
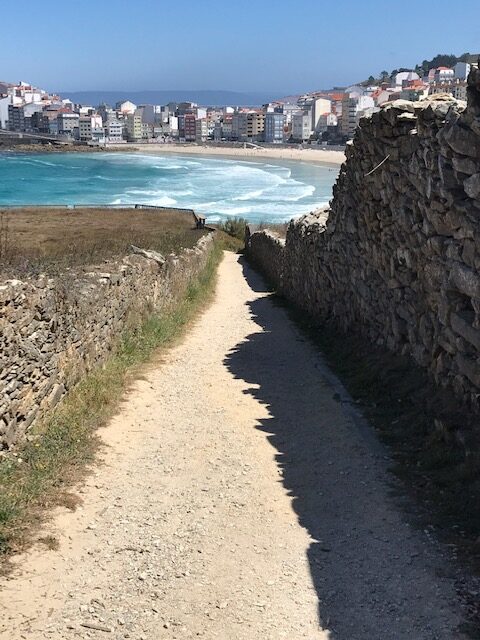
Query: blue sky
point(281, 46)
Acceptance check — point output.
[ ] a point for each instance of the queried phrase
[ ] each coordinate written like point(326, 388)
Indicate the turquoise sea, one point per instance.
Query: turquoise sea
point(216, 187)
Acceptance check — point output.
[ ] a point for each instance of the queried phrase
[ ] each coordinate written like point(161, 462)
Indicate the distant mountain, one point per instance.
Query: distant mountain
point(203, 98)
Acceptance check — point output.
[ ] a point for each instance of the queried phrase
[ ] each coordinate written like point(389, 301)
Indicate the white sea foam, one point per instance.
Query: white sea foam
point(42, 162)
point(165, 201)
point(228, 210)
point(216, 187)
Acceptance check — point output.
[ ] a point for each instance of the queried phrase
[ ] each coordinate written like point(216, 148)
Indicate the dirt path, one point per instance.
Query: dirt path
point(239, 499)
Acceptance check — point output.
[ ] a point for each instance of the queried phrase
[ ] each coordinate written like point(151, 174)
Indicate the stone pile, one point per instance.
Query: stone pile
point(53, 330)
point(398, 259)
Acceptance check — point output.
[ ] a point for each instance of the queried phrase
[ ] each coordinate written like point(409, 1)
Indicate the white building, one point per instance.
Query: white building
point(126, 107)
point(114, 130)
point(24, 93)
point(461, 70)
point(4, 102)
point(403, 77)
point(320, 107)
point(289, 108)
point(443, 74)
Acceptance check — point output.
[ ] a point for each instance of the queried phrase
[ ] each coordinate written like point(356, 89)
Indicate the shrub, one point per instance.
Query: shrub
point(234, 227)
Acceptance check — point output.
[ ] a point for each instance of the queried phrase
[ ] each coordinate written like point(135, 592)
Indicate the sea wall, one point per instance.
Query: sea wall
point(54, 330)
point(398, 258)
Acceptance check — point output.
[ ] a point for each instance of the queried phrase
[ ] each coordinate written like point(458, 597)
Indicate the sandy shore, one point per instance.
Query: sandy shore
point(318, 156)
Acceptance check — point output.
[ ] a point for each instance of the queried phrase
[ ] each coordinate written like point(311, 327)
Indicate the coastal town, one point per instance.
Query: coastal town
point(28, 113)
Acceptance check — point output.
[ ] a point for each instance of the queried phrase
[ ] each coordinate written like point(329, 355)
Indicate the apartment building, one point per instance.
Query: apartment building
point(443, 74)
point(239, 125)
point(201, 129)
point(16, 117)
point(351, 107)
point(4, 102)
point(114, 130)
point(255, 126)
point(288, 109)
point(20, 115)
point(190, 127)
point(133, 126)
point(68, 124)
point(320, 107)
point(85, 128)
point(301, 126)
point(456, 88)
point(274, 127)
point(248, 126)
point(90, 129)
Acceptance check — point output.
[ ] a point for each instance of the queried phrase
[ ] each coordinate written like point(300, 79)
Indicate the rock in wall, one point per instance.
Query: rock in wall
point(398, 258)
point(53, 330)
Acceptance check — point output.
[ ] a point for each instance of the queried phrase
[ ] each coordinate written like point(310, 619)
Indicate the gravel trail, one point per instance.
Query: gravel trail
point(239, 498)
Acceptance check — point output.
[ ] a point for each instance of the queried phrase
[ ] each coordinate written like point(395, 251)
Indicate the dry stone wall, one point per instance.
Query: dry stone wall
point(398, 259)
point(53, 330)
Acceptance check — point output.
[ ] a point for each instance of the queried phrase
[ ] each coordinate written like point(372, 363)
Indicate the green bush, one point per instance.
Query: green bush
point(234, 227)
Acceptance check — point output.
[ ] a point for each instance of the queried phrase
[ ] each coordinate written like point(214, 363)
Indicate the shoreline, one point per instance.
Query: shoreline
point(326, 157)
point(315, 156)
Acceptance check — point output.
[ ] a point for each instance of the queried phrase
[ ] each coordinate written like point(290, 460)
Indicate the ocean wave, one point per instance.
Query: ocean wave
point(234, 211)
point(43, 162)
point(218, 187)
point(182, 193)
point(168, 167)
point(144, 192)
point(164, 201)
point(307, 190)
point(250, 195)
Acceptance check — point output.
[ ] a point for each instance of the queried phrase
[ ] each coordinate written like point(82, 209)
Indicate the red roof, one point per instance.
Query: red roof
point(336, 96)
point(413, 84)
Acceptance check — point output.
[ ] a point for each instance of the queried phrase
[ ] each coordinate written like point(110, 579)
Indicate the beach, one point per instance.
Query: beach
point(317, 156)
point(326, 157)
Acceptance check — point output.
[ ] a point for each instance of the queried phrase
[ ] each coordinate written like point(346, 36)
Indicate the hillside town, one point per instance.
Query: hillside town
point(322, 117)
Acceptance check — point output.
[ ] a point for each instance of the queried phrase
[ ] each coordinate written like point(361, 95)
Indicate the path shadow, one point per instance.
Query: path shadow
point(376, 578)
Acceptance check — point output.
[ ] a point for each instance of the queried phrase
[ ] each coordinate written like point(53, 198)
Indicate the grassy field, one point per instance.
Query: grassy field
point(43, 239)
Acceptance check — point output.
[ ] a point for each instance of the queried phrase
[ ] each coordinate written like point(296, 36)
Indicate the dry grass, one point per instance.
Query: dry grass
point(280, 228)
point(46, 239)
